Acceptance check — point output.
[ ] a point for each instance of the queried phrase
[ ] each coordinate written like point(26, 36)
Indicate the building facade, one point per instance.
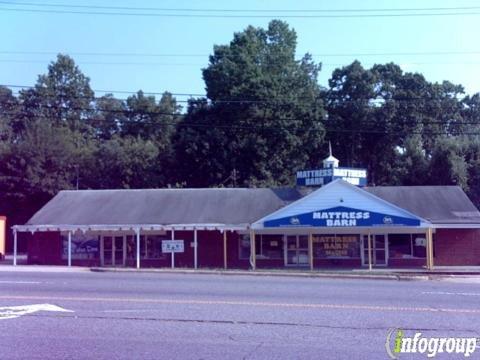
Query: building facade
point(337, 225)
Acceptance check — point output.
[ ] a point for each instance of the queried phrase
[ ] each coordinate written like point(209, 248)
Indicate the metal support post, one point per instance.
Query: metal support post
point(253, 257)
point(224, 249)
point(69, 248)
point(310, 250)
point(369, 240)
point(137, 233)
point(172, 253)
point(195, 247)
point(14, 247)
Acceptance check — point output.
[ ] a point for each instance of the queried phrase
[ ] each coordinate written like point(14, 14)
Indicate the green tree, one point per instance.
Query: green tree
point(108, 117)
point(38, 165)
point(62, 95)
point(262, 116)
point(49, 140)
point(377, 116)
point(414, 164)
point(360, 119)
point(124, 163)
point(9, 108)
point(149, 120)
point(448, 165)
point(471, 113)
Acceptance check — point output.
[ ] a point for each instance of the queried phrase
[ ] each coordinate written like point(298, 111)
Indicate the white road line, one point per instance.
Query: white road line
point(129, 311)
point(364, 307)
point(19, 282)
point(12, 312)
point(450, 293)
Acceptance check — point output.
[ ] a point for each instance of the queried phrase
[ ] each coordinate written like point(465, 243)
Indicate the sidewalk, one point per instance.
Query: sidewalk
point(377, 273)
point(42, 268)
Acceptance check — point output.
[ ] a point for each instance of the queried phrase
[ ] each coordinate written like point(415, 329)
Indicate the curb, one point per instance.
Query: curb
point(333, 275)
point(398, 275)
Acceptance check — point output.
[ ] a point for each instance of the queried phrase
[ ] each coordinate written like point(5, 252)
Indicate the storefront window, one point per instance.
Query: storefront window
point(84, 246)
point(419, 246)
point(406, 245)
point(400, 245)
point(269, 246)
point(132, 246)
point(150, 246)
point(336, 246)
point(266, 246)
point(244, 243)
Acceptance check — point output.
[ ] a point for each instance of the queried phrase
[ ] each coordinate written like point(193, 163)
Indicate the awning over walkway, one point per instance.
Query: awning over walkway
point(129, 227)
point(159, 208)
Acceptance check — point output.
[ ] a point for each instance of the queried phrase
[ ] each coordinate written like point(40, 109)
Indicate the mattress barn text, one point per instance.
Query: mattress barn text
point(341, 218)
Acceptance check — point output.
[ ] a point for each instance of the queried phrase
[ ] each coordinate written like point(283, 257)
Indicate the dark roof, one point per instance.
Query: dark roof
point(438, 204)
point(162, 206)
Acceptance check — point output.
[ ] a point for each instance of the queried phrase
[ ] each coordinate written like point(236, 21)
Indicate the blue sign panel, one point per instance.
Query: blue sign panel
point(341, 216)
point(324, 176)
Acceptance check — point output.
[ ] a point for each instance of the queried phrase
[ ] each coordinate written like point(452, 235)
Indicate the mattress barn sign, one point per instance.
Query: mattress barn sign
point(321, 177)
point(341, 217)
point(336, 246)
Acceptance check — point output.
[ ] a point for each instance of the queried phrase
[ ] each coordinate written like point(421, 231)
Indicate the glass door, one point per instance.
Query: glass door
point(380, 253)
point(364, 250)
point(379, 250)
point(296, 251)
point(107, 257)
point(119, 251)
point(113, 250)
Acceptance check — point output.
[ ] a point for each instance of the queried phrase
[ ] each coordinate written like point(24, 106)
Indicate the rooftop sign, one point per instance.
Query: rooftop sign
point(321, 177)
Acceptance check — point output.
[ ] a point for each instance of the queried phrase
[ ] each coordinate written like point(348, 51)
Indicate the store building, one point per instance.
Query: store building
point(337, 225)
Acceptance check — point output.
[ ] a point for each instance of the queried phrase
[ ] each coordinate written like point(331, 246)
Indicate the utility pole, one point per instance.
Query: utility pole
point(234, 177)
point(77, 175)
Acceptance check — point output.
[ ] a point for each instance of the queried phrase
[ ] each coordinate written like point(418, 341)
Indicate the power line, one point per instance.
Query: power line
point(102, 54)
point(240, 10)
point(277, 101)
point(111, 91)
point(174, 114)
point(136, 54)
point(196, 15)
point(395, 130)
point(103, 63)
point(278, 127)
point(110, 63)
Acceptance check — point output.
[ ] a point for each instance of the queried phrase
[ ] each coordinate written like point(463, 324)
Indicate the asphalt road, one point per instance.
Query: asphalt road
point(189, 316)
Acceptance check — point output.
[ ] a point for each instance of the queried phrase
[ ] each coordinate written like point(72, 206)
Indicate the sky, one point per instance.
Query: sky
point(30, 40)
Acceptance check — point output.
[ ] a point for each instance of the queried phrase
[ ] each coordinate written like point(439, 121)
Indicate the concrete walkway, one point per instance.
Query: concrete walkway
point(42, 268)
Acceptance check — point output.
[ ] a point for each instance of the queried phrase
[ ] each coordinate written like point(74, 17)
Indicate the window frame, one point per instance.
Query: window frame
point(259, 241)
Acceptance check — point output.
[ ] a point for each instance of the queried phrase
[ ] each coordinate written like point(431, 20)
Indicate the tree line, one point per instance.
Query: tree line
point(263, 118)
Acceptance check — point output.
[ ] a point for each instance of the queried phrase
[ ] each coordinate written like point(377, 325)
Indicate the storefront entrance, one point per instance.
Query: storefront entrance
point(379, 250)
point(296, 250)
point(113, 250)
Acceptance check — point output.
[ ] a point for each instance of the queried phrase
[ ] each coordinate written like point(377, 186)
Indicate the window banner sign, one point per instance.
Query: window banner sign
point(341, 216)
point(336, 246)
point(84, 246)
point(321, 177)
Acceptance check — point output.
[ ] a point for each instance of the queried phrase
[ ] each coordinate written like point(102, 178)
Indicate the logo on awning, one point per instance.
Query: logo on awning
point(342, 217)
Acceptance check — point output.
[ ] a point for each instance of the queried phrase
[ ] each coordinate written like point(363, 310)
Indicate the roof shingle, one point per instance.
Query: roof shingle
point(438, 204)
